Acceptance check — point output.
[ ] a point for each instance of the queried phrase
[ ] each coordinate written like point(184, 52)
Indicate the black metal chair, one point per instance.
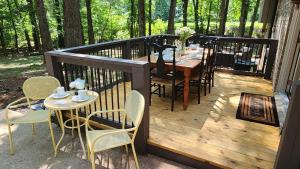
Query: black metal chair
point(160, 75)
point(204, 76)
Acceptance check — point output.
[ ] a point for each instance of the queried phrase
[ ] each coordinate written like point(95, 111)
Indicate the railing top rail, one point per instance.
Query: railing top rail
point(96, 61)
point(110, 43)
point(95, 47)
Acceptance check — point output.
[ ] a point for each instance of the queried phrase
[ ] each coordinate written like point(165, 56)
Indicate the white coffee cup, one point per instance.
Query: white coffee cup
point(60, 91)
point(82, 94)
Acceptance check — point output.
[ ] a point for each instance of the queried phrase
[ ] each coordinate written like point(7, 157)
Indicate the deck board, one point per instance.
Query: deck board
point(210, 132)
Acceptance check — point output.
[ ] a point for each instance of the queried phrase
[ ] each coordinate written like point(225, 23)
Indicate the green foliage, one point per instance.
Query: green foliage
point(111, 18)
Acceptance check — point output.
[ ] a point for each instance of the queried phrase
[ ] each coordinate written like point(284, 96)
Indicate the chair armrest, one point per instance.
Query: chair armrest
point(87, 124)
point(11, 105)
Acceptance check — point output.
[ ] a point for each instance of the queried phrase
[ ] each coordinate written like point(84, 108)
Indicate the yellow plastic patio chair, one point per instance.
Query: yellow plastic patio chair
point(34, 89)
point(100, 140)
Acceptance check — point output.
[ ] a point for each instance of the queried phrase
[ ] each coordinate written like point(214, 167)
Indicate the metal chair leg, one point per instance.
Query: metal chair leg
point(135, 157)
point(126, 148)
point(93, 160)
point(198, 90)
point(33, 129)
point(11, 146)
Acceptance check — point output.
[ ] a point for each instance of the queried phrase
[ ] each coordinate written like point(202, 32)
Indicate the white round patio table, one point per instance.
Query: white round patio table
point(66, 104)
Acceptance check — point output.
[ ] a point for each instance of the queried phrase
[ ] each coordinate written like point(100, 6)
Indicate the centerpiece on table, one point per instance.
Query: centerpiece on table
point(184, 33)
point(77, 84)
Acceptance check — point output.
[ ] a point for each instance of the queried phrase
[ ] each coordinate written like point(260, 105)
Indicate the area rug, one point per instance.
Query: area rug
point(258, 108)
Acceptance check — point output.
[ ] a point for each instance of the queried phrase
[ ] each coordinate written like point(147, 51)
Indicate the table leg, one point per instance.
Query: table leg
point(186, 90)
point(51, 130)
point(79, 133)
point(63, 131)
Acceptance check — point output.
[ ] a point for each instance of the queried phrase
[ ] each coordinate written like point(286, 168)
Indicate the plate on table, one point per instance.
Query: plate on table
point(80, 99)
point(60, 96)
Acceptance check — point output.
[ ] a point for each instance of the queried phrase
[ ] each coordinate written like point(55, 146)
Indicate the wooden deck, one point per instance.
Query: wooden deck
point(209, 131)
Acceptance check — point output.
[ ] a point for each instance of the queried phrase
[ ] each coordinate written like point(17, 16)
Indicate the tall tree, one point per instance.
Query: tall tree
point(196, 15)
point(184, 9)
point(26, 34)
point(141, 17)
point(209, 16)
point(90, 22)
point(2, 37)
point(59, 28)
point(243, 17)
point(172, 11)
point(35, 29)
point(12, 20)
point(223, 16)
point(132, 17)
point(72, 23)
point(43, 25)
point(253, 18)
point(150, 17)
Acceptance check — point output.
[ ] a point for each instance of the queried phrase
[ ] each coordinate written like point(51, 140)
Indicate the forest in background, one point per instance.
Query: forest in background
point(41, 25)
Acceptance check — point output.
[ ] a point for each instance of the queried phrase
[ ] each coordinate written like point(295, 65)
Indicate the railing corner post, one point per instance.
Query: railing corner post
point(54, 68)
point(271, 59)
point(141, 83)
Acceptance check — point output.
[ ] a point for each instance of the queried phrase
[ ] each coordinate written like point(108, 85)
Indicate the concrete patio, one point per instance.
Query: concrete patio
point(36, 152)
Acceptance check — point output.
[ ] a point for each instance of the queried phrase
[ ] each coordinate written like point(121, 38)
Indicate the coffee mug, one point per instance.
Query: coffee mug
point(82, 94)
point(60, 90)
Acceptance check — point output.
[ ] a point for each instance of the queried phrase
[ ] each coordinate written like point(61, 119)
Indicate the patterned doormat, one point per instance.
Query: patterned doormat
point(258, 108)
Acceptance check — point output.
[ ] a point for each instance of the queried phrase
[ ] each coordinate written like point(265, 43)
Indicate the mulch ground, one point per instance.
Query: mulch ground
point(11, 88)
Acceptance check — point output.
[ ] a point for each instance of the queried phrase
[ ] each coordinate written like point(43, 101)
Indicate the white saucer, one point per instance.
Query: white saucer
point(60, 96)
point(80, 99)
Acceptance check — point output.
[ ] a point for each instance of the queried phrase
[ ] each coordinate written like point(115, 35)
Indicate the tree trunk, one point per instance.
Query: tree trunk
point(208, 19)
point(25, 29)
point(243, 17)
point(29, 47)
point(2, 37)
point(132, 18)
point(196, 15)
point(12, 19)
point(172, 12)
point(184, 9)
point(141, 17)
point(254, 17)
point(44, 27)
point(72, 23)
point(90, 22)
point(150, 17)
point(35, 30)
point(223, 16)
point(201, 18)
point(59, 28)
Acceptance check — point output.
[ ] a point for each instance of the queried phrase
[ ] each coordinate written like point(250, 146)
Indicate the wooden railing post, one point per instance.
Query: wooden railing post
point(126, 53)
point(141, 83)
point(54, 68)
point(289, 146)
point(271, 59)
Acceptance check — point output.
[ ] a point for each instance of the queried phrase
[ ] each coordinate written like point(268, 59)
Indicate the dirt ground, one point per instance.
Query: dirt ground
point(11, 88)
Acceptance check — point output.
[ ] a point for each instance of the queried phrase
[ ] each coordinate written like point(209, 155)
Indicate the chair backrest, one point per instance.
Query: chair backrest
point(134, 107)
point(160, 70)
point(40, 87)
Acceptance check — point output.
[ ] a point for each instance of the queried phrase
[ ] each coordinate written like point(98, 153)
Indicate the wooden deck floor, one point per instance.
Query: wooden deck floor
point(210, 132)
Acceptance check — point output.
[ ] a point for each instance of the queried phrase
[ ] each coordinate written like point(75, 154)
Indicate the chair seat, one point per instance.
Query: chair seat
point(31, 116)
point(166, 82)
point(107, 141)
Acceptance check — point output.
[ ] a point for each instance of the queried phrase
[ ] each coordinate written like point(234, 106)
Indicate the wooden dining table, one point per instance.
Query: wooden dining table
point(185, 64)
